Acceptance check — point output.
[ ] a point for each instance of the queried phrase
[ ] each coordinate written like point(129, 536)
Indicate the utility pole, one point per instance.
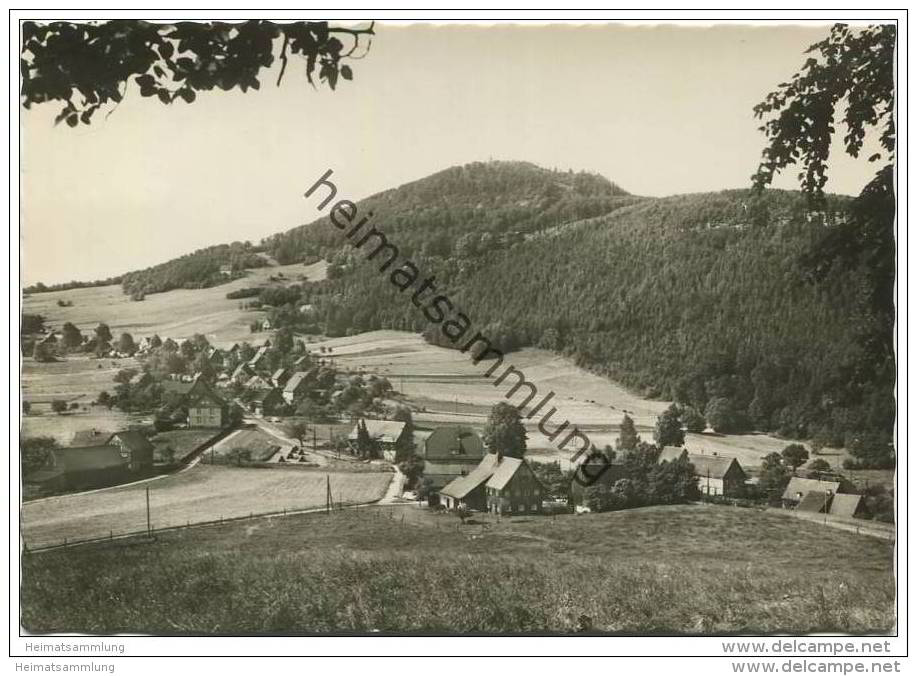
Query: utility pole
point(314, 439)
point(149, 529)
point(328, 494)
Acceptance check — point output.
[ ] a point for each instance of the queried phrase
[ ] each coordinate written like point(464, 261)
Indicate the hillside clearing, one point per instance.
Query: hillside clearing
point(202, 493)
point(695, 569)
point(175, 314)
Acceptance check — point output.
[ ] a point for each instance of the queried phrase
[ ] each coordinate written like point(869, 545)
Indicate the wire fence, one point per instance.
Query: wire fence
point(152, 529)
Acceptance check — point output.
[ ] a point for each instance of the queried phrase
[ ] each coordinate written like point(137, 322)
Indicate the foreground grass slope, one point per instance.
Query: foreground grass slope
point(668, 569)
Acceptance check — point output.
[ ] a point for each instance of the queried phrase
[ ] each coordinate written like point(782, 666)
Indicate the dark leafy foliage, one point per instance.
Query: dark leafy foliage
point(88, 66)
point(854, 67)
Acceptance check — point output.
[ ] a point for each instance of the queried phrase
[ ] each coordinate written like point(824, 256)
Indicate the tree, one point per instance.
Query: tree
point(853, 67)
point(90, 66)
point(693, 420)
point(627, 435)
point(367, 447)
point(297, 430)
point(795, 455)
point(773, 477)
point(105, 399)
point(103, 333)
point(31, 324)
point(71, 336)
point(59, 406)
point(553, 478)
point(817, 468)
point(412, 468)
point(722, 415)
point(42, 352)
point(668, 430)
point(34, 452)
point(155, 341)
point(405, 447)
point(504, 432)
point(126, 344)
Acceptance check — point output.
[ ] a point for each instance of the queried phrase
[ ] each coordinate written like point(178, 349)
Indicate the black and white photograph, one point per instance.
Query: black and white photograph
point(437, 327)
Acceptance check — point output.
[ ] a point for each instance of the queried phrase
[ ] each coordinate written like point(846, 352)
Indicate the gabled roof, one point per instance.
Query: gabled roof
point(294, 381)
point(257, 382)
point(93, 437)
point(505, 470)
point(813, 501)
point(241, 370)
point(713, 466)
point(88, 458)
point(133, 440)
point(387, 431)
point(799, 485)
point(463, 485)
point(671, 453)
point(845, 504)
point(259, 355)
point(453, 443)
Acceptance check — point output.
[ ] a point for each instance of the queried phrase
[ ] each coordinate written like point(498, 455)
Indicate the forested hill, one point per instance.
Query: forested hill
point(500, 200)
point(704, 298)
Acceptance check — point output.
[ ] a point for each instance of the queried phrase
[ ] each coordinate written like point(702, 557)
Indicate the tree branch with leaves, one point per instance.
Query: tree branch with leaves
point(89, 66)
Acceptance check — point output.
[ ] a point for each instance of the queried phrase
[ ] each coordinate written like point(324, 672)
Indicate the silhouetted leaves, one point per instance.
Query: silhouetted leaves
point(87, 66)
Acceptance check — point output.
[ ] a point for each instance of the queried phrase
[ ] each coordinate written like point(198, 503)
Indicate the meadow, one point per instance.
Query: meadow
point(175, 314)
point(201, 493)
point(673, 570)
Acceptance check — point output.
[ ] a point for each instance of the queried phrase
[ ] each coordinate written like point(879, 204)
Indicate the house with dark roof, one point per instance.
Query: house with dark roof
point(450, 452)
point(280, 377)
point(115, 458)
point(242, 373)
point(266, 401)
point(258, 383)
point(259, 361)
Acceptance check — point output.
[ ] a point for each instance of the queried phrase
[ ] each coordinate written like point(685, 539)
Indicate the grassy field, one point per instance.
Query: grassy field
point(176, 314)
point(446, 386)
point(202, 493)
point(698, 569)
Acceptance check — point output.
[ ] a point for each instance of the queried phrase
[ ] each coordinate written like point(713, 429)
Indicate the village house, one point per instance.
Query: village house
point(242, 373)
point(258, 383)
point(259, 361)
point(280, 377)
point(499, 485)
point(296, 387)
point(111, 459)
point(226, 270)
point(818, 496)
point(716, 474)
point(267, 402)
point(450, 452)
point(205, 407)
point(216, 357)
point(388, 434)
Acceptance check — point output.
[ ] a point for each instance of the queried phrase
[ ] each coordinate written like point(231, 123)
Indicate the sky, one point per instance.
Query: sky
point(659, 110)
